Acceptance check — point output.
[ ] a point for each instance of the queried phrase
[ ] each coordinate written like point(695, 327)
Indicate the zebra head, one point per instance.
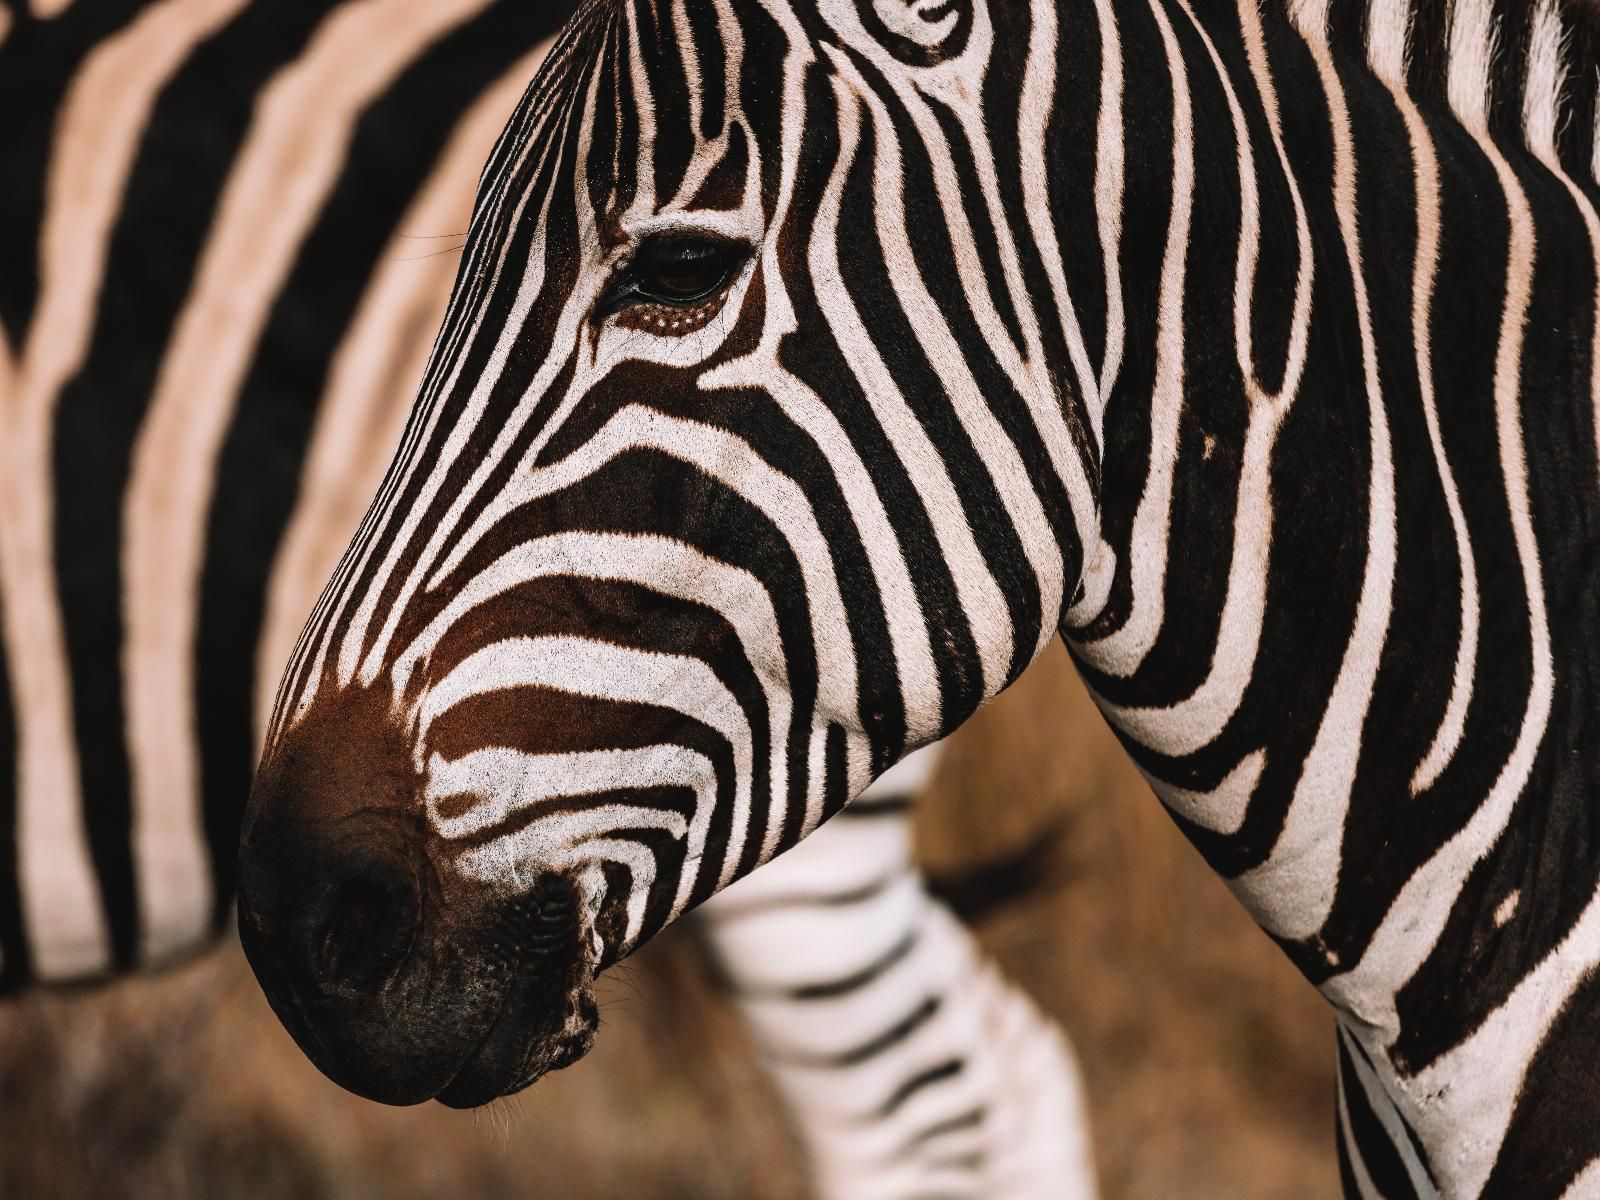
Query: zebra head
point(738, 472)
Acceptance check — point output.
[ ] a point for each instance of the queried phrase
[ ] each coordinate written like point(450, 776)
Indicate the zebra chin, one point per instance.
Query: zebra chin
point(400, 977)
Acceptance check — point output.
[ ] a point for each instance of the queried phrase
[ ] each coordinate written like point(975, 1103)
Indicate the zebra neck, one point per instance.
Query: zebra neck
point(1348, 479)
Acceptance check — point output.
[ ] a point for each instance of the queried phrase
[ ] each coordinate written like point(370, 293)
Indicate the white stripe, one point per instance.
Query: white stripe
point(1123, 651)
point(1546, 151)
point(665, 566)
point(511, 780)
point(507, 781)
point(1001, 461)
point(529, 288)
point(661, 564)
point(780, 322)
point(1472, 1092)
point(635, 856)
point(1108, 185)
point(733, 462)
point(1471, 52)
point(982, 603)
point(643, 110)
point(1425, 274)
point(957, 86)
point(1389, 39)
point(1594, 161)
point(707, 155)
point(1196, 721)
point(1541, 97)
point(1223, 809)
point(1383, 1108)
point(1047, 405)
point(1587, 1185)
point(1412, 926)
point(1365, 1188)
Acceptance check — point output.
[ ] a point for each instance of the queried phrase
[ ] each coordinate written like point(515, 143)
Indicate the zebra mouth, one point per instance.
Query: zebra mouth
point(548, 1017)
point(507, 1060)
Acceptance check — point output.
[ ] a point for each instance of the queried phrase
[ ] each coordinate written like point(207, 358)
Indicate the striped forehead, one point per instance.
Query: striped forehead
point(657, 106)
point(643, 106)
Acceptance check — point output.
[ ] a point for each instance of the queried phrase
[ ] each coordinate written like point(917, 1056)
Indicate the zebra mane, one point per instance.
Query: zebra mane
point(1527, 71)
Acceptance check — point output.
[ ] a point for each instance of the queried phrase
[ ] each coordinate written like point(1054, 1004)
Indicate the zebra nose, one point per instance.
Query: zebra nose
point(362, 928)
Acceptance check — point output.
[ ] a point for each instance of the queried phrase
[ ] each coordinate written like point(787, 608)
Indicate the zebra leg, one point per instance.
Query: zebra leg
point(909, 1065)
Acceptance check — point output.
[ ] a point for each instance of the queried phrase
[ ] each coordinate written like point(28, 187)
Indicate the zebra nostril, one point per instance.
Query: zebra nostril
point(365, 931)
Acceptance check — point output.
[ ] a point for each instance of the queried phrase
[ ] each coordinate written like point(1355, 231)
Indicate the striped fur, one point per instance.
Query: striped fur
point(1251, 346)
point(197, 377)
point(911, 1068)
point(302, 265)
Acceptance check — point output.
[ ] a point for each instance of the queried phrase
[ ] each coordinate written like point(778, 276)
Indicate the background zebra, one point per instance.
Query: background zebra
point(912, 1067)
point(214, 310)
point(937, 328)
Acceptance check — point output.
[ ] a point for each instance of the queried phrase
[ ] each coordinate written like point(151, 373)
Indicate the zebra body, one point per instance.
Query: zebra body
point(814, 361)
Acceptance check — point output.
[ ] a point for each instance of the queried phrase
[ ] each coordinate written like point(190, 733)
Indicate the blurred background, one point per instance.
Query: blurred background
point(1208, 1060)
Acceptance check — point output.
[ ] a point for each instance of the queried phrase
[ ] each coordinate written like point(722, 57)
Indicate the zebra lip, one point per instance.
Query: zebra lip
point(537, 1030)
point(508, 1060)
point(545, 1010)
point(496, 1060)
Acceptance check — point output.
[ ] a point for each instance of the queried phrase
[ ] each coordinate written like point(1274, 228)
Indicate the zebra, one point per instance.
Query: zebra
point(231, 411)
point(814, 362)
point(910, 1066)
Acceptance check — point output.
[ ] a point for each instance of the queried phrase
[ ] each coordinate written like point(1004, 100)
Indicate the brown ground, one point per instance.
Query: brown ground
point(1208, 1059)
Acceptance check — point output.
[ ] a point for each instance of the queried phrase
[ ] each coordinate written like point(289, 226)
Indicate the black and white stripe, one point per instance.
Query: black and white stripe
point(212, 307)
point(910, 1067)
point(277, 166)
point(1252, 346)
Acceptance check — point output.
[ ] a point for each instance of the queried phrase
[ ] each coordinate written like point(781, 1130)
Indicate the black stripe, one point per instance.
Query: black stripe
point(872, 1047)
point(919, 1082)
point(1372, 1144)
point(887, 806)
point(182, 165)
point(1552, 1134)
point(731, 910)
point(893, 1036)
point(38, 62)
point(970, 1119)
point(834, 988)
point(14, 957)
point(1575, 132)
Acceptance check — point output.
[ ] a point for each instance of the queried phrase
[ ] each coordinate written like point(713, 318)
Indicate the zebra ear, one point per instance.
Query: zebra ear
point(920, 33)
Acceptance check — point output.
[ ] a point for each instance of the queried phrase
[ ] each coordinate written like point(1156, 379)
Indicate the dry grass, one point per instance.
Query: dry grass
point(1208, 1060)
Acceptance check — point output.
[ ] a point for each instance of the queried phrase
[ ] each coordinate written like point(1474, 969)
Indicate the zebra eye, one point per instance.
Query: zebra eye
point(676, 271)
